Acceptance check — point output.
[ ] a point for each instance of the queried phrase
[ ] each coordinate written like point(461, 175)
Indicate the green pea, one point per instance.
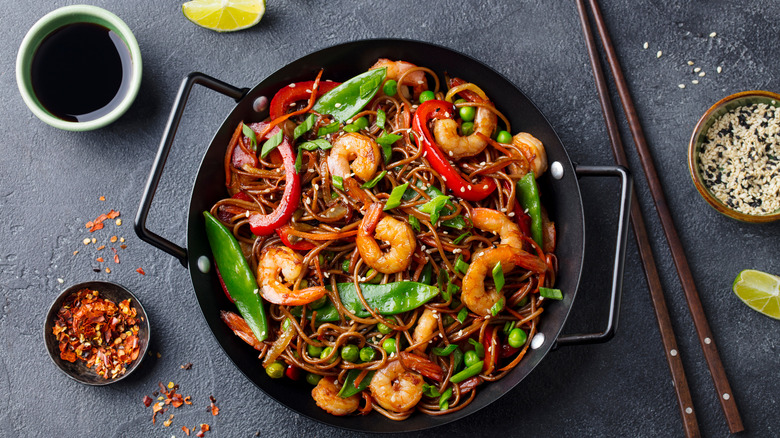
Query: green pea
point(427, 95)
point(377, 278)
point(345, 266)
point(390, 87)
point(367, 354)
point(524, 302)
point(313, 350)
point(361, 123)
point(326, 352)
point(351, 128)
point(321, 258)
point(467, 113)
point(350, 353)
point(383, 328)
point(313, 378)
point(448, 319)
point(304, 284)
point(319, 302)
point(470, 358)
point(275, 370)
point(467, 128)
point(517, 338)
point(389, 345)
point(504, 137)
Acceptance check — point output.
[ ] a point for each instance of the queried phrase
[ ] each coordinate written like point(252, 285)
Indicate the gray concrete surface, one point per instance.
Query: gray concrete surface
point(50, 182)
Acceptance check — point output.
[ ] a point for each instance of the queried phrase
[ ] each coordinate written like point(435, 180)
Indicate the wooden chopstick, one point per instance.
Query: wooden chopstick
point(707, 341)
point(673, 358)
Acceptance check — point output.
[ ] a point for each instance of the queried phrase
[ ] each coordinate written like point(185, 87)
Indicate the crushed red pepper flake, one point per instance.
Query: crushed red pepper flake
point(140, 271)
point(186, 430)
point(213, 406)
point(187, 366)
point(99, 259)
point(97, 331)
point(101, 247)
point(148, 401)
point(188, 400)
point(123, 246)
point(102, 198)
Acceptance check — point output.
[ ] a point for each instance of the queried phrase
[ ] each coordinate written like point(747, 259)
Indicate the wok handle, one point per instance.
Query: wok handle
point(626, 185)
point(162, 155)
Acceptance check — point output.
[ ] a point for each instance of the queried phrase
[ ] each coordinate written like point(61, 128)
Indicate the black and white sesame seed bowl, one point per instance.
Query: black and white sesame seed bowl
point(734, 156)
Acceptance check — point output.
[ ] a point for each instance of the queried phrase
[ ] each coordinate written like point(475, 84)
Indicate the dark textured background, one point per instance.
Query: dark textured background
point(50, 181)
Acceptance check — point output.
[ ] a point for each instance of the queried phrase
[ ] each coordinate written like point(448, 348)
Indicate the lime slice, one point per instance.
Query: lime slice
point(760, 291)
point(224, 15)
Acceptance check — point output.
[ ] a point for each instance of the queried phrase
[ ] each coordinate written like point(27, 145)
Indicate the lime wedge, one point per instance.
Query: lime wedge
point(224, 15)
point(760, 291)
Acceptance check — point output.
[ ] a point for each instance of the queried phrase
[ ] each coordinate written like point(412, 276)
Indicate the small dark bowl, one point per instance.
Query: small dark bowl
point(78, 370)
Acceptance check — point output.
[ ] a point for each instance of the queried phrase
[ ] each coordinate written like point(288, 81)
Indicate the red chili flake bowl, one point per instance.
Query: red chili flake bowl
point(78, 370)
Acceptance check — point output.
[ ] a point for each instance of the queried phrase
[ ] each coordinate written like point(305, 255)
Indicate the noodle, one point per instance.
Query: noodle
point(335, 213)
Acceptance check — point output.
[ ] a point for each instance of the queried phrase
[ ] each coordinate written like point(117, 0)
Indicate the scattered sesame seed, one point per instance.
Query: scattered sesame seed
point(86, 241)
point(119, 222)
point(695, 81)
point(308, 91)
point(681, 85)
point(646, 45)
point(462, 189)
point(60, 281)
point(338, 105)
point(690, 62)
point(469, 186)
point(444, 178)
point(658, 55)
point(713, 35)
point(485, 187)
point(457, 251)
point(511, 214)
point(450, 152)
point(420, 82)
point(93, 240)
point(292, 85)
point(697, 69)
point(121, 239)
point(702, 74)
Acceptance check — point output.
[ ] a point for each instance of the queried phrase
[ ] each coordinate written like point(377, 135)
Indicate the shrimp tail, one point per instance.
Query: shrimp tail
point(424, 366)
point(293, 298)
point(528, 261)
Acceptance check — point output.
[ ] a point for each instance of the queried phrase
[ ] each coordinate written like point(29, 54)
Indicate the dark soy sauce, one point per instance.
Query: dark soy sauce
point(81, 72)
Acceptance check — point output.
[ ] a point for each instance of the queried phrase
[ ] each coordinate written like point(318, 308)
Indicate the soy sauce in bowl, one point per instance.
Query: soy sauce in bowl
point(81, 71)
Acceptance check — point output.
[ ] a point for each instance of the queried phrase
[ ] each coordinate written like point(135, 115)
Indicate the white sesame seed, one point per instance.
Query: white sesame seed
point(681, 85)
point(420, 82)
point(462, 189)
point(719, 69)
point(702, 74)
point(646, 45)
point(695, 81)
point(444, 178)
point(485, 187)
point(697, 69)
point(60, 281)
point(482, 163)
point(338, 105)
point(292, 104)
point(292, 85)
point(690, 62)
point(658, 55)
point(446, 114)
point(457, 251)
point(423, 247)
point(511, 214)
point(450, 152)
point(713, 35)
point(503, 209)
point(469, 186)
point(308, 91)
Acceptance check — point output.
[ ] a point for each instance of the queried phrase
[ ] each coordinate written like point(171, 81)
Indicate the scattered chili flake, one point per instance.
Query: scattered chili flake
point(112, 214)
point(97, 331)
point(148, 401)
point(205, 427)
point(123, 246)
point(155, 410)
point(86, 241)
point(186, 366)
point(188, 400)
point(167, 423)
point(116, 258)
point(159, 355)
point(97, 226)
point(102, 198)
point(140, 271)
point(75, 252)
point(89, 224)
point(113, 239)
point(101, 247)
point(121, 239)
point(100, 259)
point(186, 430)
point(108, 270)
point(214, 408)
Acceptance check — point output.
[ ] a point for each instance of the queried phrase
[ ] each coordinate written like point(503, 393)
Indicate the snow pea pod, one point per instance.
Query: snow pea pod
point(349, 98)
point(528, 193)
point(349, 388)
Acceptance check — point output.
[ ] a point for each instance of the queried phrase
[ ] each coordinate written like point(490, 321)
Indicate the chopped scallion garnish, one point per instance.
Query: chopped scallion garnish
point(444, 399)
point(498, 307)
point(304, 127)
point(338, 182)
point(271, 144)
point(478, 348)
point(299, 162)
point(375, 181)
point(252, 136)
point(329, 129)
point(553, 294)
point(498, 277)
point(380, 118)
point(460, 265)
point(464, 312)
point(430, 390)
point(395, 196)
point(445, 351)
point(415, 223)
point(461, 238)
point(388, 139)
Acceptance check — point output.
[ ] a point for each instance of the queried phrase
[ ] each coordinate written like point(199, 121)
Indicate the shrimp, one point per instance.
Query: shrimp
point(326, 395)
point(283, 260)
point(456, 146)
point(474, 295)
point(241, 329)
point(493, 221)
point(533, 150)
point(395, 69)
point(361, 150)
point(395, 388)
point(425, 327)
point(399, 234)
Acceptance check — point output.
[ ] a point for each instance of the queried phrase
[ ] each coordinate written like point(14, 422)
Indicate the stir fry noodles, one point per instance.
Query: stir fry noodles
point(383, 240)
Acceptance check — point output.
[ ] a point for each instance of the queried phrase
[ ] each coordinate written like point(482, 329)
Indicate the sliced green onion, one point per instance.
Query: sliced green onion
point(457, 359)
point(374, 181)
point(452, 289)
point(415, 223)
point(464, 312)
point(471, 371)
point(351, 128)
point(444, 399)
point(320, 143)
point(498, 277)
point(443, 282)
point(461, 238)
point(553, 294)
point(381, 117)
point(458, 222)
point(460, 265)
point(478, 348)
point(445, 351)
point(338, 182)
point(299, 162)
point(436, 203)
point(395, 196)
point(498, 307)
point(508, 327)
point(252, 136)
point(388, 139)
point(430, 390)
point(361, 123)
point(329, 129)
point(271, 144)
point(304, 127)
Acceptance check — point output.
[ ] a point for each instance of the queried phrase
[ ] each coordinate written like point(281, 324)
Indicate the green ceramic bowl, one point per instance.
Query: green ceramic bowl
point(55, 20)
point(699, 135)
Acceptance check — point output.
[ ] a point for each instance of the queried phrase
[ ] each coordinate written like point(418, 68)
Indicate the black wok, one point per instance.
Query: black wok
point(561, 195)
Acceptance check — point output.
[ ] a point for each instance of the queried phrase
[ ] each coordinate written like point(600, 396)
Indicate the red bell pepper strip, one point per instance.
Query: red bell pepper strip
point(439, 109)
point(300, 245)
point(265, 224)
point(288, 95)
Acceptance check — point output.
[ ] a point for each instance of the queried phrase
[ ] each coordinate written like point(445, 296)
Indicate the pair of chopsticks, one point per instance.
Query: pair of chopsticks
point(685, 404)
